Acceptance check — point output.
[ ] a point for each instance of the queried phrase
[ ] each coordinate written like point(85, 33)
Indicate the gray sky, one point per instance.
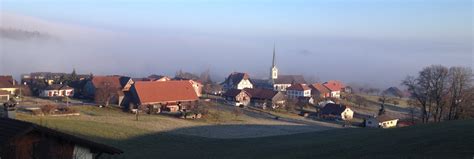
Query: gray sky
point(366, 41)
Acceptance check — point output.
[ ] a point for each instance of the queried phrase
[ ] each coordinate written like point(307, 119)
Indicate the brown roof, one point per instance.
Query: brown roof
point(333, 109)
point(7, 82)
point(260, 93)
point(11, 129)
point(289, 79)
point(165, 91)
point(320, 88)
point(101, 81)
point(298, 87)
point(384, 117)
point(233, 93)
point(236, 77)
point(334, 85)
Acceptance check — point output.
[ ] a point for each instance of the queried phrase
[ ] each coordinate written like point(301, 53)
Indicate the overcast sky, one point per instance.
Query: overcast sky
point(376, 42)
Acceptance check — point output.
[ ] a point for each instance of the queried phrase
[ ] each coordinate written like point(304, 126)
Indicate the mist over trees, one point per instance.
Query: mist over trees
point(442, 93)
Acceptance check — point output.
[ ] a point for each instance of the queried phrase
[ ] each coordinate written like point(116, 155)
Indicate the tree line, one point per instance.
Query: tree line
point(442, 93)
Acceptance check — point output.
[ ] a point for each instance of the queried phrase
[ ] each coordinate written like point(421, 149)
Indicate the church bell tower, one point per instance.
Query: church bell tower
point(274, 69)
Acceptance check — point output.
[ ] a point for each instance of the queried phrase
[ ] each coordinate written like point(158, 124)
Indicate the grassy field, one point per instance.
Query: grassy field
point(140, 139)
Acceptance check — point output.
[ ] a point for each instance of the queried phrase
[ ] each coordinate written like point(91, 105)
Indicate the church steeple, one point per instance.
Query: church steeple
point(274, 69)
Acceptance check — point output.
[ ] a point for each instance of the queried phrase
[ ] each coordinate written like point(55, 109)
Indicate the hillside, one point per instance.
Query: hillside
point(444, 140)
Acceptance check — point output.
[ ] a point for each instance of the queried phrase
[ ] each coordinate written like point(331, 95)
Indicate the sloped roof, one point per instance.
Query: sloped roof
point(260, 93)
point(333, 109)
point(101, 81)
point(385, 117)
point(298, 87)
point(11, 129)
point(7, 82)
point(2, 92)
point(334, 85)
point(320, 88)
point(261, 83)
point(232, 92)
point(236, 77)
point(289, 79)
point(165, 91)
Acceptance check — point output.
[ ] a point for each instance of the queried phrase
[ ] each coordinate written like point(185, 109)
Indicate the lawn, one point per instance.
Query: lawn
point(139, 139)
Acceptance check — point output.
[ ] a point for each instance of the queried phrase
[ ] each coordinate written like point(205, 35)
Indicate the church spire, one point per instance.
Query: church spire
point(274, 69)
point(273, 62)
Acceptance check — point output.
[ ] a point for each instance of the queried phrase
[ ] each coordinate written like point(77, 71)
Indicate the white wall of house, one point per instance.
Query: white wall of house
point(347, 114)
point(296, 93)
point(389, 123)
point(244, 83)
point(336, 94)
point(280, 87)
point(11, 90)
point(57, 93)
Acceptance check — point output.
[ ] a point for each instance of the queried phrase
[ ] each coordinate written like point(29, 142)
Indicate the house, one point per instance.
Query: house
point(7, 83)
point(237, 80)
point(282, 82)
point(298, 90)
point(25, 140)
point(319, 91)
point(336, 87)
point(237, 97)
point(107, 86)
point(57, 90)
point(266, 98)
point(166, 95)
point(382, 121)
point(197, 87)
point(337, 111)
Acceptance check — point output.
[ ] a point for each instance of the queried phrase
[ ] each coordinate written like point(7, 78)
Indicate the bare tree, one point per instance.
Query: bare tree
point(383, 99)
point(460, 79)
point(105, 93)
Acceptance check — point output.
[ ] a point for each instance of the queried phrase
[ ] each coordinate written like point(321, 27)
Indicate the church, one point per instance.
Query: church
point(282, 82)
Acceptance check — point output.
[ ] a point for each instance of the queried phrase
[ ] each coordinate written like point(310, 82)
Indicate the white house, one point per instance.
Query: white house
point(298, 90)
point(382, 121)
point(237, 80)
point(57, 90)
point(337, 111)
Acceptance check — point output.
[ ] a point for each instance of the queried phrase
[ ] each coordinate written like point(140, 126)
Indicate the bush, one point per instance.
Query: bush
point(48, 109)
point(67, 110)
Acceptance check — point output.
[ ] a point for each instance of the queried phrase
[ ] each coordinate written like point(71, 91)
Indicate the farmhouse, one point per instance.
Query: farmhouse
point(337, 111)
point(24, 140)
point(4, 95)
point(319, 91)
point(7, 83)
point(237, 97)
point(336, 87)
point(382, 121)
point(298, 90)
point(166, 95)
point(57, 90)
point(266, 98)
point(237, 80)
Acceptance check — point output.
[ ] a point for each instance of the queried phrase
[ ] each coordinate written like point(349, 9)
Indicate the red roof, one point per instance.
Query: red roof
point(334, 85)
point(298, 87)
point(100, 81)
point(165, 91)
point(320, 88)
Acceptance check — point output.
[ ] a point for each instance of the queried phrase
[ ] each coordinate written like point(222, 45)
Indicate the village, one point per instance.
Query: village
point(278, 100)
